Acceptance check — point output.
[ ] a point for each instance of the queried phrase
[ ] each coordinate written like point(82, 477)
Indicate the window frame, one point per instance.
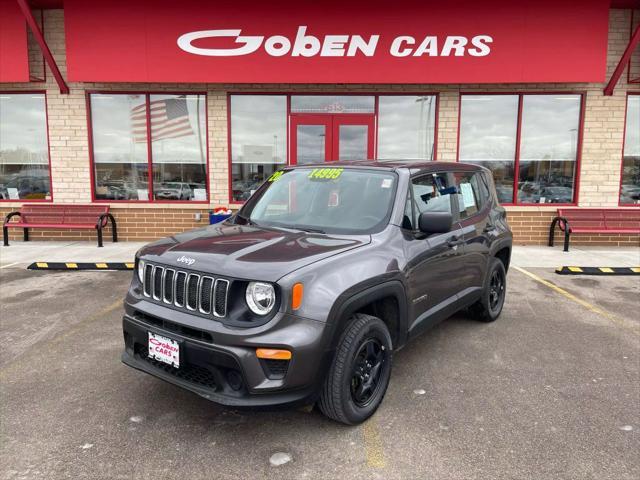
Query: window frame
point(46, 117)
point(624, 137)
point(147, 94)
point(288, 94)
point(516, 160)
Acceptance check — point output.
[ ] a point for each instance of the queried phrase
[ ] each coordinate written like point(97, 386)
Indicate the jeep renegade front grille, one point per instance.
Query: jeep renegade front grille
point(190, 291)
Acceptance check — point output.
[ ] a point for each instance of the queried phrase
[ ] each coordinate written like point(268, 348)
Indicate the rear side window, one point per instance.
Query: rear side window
point(432, 193)
point(472, 192)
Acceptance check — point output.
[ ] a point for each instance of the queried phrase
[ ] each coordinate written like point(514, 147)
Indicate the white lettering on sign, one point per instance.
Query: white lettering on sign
point(305, 45)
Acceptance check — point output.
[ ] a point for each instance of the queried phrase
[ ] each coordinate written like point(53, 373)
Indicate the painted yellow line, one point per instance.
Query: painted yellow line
point(373, 444)
point(635, 269)
point(129, 265)
point(606, 269)
point(42, 264)
point(575, 269)
point(608, 315)
point(71, 265)
point(102, 265)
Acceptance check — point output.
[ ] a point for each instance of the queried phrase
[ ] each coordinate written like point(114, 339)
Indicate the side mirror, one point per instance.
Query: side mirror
point(435, 222)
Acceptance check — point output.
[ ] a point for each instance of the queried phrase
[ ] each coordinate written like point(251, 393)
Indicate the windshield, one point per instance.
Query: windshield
point(324, 200)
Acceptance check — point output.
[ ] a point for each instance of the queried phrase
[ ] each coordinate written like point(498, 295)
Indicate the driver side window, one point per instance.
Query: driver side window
point(432, 193)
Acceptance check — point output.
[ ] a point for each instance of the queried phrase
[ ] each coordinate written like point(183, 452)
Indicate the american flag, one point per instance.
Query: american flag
point(169, 119)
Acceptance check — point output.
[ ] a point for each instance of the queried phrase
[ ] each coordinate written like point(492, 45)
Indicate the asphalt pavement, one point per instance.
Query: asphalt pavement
point(550, 390)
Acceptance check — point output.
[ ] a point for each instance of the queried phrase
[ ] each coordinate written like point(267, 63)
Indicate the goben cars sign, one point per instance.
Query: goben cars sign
point(461, 41)
point(306, 45)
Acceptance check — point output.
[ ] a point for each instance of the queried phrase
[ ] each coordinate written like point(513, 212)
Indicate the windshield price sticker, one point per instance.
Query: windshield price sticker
point(325, 173)
point(275, 176)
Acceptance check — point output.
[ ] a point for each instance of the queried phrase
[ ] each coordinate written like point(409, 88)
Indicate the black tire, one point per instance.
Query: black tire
point(344, 394)
point(489, 307)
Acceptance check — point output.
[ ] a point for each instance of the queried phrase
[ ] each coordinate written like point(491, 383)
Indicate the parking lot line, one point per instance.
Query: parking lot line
point(9, 265)
point(608, 315)
point(373, 444)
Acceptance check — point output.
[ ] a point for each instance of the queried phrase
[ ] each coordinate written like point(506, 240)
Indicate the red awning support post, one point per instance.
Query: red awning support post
point(624, 60)
point(26, 11)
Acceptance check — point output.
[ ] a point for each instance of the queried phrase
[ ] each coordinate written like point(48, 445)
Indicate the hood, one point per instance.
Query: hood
point(248, 252)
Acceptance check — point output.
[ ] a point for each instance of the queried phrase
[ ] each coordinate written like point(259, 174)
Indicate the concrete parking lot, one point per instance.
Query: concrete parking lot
point(550, 390)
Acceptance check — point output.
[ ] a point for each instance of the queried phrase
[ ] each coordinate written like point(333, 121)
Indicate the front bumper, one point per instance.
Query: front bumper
point(219, 363)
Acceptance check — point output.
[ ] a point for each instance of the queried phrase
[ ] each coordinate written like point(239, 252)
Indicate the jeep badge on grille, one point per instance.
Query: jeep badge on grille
point(187, 260)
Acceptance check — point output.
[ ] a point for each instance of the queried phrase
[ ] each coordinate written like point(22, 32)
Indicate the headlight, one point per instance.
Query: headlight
point(141, 271)
point(261, 297)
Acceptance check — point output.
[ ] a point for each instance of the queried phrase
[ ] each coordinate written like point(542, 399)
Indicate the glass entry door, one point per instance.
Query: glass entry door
point(326, 138)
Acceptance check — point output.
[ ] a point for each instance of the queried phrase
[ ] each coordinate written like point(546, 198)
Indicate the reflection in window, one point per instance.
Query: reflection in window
point(549, 133)
point(630, 183)
point(258, 140)
point(178, 143)
point(488, 128)
point(119, 125)
point(548, 148)
point(311, 143)
point(406, 127)
point(353, 140)
point(24, 153)
point(332, 104)
point(121, 146)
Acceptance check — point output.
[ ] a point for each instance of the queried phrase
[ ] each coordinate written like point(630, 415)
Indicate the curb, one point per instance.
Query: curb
point(598, 270)
point(80, 266)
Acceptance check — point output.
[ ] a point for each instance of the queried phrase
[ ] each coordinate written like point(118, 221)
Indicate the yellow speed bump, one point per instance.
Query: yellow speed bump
point(81, 266)
point(598, 270)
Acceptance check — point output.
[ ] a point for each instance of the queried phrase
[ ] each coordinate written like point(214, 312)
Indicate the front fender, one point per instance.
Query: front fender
point(357, 297)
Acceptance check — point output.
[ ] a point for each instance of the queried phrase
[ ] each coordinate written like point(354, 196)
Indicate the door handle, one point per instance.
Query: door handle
point(455, 240)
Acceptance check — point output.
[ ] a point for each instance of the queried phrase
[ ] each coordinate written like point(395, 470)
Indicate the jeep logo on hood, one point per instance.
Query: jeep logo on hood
point(187, 260)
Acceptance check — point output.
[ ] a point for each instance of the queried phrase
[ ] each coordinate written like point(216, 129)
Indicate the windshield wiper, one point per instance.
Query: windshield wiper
point(307, 229)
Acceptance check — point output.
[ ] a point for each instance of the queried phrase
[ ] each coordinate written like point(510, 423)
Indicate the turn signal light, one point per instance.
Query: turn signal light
point(273, 354)
point(296, 296)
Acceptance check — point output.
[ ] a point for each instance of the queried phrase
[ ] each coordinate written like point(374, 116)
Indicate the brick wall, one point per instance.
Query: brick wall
point(70, 164)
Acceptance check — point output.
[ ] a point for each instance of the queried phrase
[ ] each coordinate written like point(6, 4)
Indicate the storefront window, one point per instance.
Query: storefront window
point(406, 127)
point(488, 132)
point(179, 147)
point(549, 135)
point(258, 140)
point(548, 148)
point(24, 151)
point(121, 146)
point(630, 183)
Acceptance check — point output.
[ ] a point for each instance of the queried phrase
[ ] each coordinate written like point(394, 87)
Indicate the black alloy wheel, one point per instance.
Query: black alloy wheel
point(496, 289)
point(367, 370)
point(359, 375)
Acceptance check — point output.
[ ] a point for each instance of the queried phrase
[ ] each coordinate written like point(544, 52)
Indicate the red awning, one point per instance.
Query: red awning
point(333, 41)
point(14, 57)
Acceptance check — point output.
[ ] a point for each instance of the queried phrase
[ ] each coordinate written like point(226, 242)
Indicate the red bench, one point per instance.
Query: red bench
point(74, 217)
point(594, 220)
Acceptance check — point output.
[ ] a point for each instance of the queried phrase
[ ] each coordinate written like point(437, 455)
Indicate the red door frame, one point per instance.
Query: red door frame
point(332, 123)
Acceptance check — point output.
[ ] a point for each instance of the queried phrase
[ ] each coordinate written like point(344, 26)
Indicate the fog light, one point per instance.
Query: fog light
point(234, 379)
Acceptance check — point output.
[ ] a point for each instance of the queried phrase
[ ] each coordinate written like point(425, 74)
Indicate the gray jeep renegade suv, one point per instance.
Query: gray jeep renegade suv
point(307, 291)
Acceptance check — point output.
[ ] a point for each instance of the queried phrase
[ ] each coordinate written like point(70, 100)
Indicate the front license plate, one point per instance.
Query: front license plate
point(164, 349)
